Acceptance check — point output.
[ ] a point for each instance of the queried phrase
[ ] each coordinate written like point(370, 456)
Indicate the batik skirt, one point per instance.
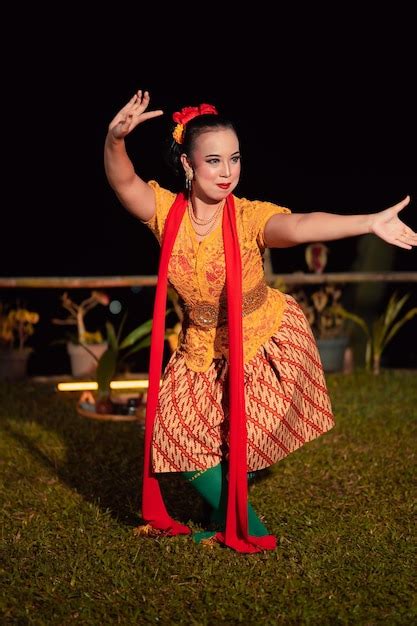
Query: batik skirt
point(286, 400)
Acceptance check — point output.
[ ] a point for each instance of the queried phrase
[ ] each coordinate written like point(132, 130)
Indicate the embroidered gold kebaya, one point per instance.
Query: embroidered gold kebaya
point(197, 272)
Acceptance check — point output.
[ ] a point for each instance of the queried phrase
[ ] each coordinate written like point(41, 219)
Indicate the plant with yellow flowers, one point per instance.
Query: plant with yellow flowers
point(77, 313)
point(16, 326)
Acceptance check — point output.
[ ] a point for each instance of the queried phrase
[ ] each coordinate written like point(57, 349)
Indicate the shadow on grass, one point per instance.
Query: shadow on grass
point(102, 461)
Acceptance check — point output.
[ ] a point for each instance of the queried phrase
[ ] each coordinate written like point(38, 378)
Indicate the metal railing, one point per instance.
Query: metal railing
point(74, 282)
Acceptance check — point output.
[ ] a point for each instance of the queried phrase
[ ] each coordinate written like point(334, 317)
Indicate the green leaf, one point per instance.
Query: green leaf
point(394, 330)
point(145, 343)
point(111, 336)
point(142, 344)
point(136, 334)
point(351, 316)
point(106, 369)
point(368, 355)
point(394, 307)
point(377, 335)
point(122, 323)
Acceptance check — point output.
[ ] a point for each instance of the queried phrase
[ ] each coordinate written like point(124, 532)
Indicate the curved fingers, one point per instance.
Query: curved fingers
point(400, 205)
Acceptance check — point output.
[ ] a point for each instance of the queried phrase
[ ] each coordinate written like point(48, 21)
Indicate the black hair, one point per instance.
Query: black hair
point(193, 129)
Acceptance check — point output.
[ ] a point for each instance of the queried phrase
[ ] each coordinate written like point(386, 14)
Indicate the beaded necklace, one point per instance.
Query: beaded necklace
point(195, 221)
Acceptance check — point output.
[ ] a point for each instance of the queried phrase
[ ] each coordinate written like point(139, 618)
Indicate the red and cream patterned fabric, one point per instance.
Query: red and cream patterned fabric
point(287, 403)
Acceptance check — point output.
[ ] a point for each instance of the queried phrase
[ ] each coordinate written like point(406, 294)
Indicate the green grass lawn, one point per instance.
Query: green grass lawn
point(343, 508)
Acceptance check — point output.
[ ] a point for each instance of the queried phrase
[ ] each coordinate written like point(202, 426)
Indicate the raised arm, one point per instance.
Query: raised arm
point(283, 231)
point(131, 190)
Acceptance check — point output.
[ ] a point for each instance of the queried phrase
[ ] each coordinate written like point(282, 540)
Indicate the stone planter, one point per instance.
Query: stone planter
point(82, 362)
point(332, 352)
point(14, 364)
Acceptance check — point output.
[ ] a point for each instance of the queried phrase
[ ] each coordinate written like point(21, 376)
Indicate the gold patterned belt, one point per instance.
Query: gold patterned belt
point(208, 315)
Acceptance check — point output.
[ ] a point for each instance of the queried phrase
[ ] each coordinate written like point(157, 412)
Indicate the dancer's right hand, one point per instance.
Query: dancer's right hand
point(132, 114)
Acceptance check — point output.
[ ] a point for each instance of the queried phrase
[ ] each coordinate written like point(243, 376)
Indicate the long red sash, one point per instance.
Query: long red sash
point(153, 508)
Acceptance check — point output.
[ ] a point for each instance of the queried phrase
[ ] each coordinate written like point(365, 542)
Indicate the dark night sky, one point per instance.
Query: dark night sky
point(325, 113)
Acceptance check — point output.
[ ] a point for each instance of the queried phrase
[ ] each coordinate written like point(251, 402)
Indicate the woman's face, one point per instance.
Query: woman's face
point(216, 163)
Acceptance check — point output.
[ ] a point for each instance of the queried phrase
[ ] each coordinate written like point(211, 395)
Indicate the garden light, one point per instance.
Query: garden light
point(92, 386)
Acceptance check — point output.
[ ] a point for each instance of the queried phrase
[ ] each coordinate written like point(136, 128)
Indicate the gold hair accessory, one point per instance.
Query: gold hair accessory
point(178, 133)
point(181, 118)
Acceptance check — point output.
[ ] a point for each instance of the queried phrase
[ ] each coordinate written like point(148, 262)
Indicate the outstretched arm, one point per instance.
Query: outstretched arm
point(283, 231)
point(131, 190)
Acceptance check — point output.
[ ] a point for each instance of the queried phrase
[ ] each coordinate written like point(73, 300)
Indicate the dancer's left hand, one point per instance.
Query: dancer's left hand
point(388, 226)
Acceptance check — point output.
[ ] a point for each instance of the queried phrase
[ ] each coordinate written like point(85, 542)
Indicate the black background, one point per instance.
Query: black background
point(323, 103)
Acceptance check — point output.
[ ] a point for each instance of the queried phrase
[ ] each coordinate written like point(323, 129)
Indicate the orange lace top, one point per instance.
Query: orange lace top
point(197, 272)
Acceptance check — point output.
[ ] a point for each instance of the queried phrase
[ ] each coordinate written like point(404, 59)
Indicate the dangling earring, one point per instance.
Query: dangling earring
point(188, 179)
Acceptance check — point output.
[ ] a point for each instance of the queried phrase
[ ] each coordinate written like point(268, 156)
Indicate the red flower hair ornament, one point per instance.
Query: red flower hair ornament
point(186, 114)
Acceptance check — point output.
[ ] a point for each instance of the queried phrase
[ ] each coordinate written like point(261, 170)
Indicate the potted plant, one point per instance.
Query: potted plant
point(84, 347)
point(103, 404)
point(382, 330)
point(16, 326)
point(321, 307)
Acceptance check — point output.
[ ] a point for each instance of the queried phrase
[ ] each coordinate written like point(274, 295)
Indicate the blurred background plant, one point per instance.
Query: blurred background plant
point(320, 306)
point(321, 309)
point(173, 334)
point(77, 313)
point(382, 330)
point(319, 303)
point(119, 350)
point(316, 255)
point(16, 326)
